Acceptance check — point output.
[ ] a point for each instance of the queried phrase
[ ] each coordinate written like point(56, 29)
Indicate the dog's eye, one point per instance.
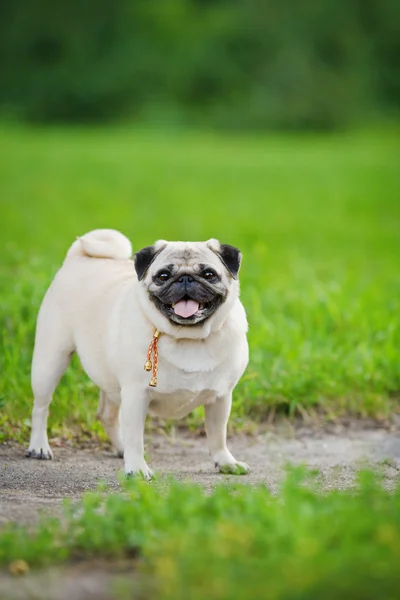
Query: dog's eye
point(163, 276)
point(210, 275)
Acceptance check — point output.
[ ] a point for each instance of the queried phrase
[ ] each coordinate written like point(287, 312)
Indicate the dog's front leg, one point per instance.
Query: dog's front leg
point(216, 421)
point(134, 405)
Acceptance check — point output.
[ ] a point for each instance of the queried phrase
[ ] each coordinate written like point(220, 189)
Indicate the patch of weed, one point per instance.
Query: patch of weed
point(236, 542)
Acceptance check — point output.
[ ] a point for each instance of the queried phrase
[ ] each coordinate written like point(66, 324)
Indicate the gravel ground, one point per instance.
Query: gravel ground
point(29, 486)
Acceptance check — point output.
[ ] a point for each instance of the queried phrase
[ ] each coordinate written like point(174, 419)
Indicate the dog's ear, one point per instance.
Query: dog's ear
point(230, 256)
point(146, 256)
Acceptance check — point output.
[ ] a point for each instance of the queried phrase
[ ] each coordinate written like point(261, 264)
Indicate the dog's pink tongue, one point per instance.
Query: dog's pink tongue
point(186, 308)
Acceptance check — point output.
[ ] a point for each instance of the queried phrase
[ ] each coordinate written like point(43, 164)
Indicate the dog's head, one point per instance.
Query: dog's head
point(188, 283)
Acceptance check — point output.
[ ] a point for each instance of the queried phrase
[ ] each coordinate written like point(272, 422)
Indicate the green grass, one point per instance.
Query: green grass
point(234, 543)
point(317, 219)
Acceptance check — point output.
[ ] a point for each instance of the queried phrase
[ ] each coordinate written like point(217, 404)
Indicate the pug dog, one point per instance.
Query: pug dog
point(174, 309)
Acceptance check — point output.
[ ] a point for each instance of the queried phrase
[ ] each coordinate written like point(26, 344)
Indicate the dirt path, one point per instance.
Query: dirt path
point(29, 486)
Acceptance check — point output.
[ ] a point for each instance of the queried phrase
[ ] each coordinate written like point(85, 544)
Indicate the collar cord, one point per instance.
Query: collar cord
point(152, 365)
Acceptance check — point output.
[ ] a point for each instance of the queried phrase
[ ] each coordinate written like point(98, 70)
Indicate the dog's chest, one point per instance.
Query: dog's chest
point(190, 358)
point(178, 404)
point(186, 380)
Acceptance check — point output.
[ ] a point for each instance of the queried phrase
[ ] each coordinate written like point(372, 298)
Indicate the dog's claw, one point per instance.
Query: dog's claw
point(238, 468)
point(41, 455)
point(148, 475)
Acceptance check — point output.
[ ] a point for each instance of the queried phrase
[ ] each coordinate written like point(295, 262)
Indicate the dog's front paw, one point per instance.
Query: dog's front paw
point(234, 468)
point(144, 471)
point(43, 452)
point(227, 464)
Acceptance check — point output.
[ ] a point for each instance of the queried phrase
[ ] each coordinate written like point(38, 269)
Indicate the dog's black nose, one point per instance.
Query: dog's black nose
point(185, 279)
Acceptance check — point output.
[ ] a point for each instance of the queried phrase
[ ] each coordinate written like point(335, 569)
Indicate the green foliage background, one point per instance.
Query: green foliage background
point(316, 217)
point(232, 64)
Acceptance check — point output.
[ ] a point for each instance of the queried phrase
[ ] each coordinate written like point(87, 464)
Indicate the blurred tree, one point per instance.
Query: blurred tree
point(236, 63)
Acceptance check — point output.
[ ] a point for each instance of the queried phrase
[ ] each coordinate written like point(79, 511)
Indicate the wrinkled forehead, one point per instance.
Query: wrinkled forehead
point(187, 254)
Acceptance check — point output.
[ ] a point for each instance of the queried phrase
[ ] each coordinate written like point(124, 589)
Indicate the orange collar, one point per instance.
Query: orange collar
point(149, 365)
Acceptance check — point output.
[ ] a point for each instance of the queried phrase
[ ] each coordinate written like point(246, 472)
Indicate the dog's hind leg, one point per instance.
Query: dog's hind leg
point(51, 357)
point(108, 413)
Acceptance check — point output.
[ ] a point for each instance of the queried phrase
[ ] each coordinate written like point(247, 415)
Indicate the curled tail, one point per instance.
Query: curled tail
point(102, 243)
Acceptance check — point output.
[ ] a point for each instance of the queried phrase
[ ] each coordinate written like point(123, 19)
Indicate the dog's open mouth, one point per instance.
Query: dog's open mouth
point(188, 311)
point(186, 308)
